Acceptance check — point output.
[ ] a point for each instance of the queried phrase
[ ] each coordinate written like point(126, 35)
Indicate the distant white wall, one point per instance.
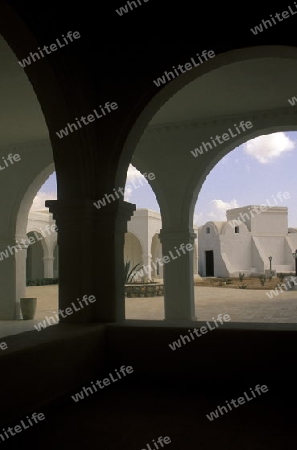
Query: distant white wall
point(209, 240)
point(40, 259)
point(132, 250)
point(246, 246)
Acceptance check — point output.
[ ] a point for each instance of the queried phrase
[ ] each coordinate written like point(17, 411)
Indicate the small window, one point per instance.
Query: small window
point(207, 230)
point(236, 229)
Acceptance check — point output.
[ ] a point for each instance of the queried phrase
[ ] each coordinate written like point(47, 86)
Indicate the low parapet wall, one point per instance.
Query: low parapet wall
point(39, 367)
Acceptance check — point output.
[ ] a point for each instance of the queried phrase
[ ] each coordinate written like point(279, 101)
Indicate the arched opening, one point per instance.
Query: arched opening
point(133, 253)
point(42, 264)
point(165, 140)
point(146, 289)
point(248, 233)
point(24, 142)
point(36, 253)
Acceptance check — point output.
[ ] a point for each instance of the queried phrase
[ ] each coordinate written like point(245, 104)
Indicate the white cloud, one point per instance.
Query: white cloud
point(41, 197)
point(132, 175)
point(219, 207)
point(198, 219)
point(269, 147)
point(128, 193)
point(216, 212)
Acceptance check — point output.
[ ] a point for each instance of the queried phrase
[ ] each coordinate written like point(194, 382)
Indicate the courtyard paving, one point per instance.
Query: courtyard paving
point(242, 306)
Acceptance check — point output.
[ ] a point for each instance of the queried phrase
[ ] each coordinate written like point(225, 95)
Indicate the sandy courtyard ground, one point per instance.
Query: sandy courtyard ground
point(241, 305)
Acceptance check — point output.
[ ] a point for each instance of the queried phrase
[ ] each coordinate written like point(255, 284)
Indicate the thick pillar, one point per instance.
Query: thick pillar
point(177, 246)
point(91, 257)
point(195, 259)
point(21, 264)
point(48, 266)
point(12, 277)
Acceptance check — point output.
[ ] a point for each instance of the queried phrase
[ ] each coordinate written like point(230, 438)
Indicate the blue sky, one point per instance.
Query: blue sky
point(250, 174)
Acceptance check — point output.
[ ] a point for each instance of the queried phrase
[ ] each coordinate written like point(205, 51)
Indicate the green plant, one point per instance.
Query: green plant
point(262, 280)
point(42, 281)
point(129, 274)
point(241, 276)
point(242, 286)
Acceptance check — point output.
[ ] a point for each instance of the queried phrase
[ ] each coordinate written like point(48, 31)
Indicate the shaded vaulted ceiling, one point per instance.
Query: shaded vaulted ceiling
point(21, 118)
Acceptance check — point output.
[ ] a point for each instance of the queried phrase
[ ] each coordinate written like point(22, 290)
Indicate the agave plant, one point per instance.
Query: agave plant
point(281, 276)
point(129, 274)
point(241, 276)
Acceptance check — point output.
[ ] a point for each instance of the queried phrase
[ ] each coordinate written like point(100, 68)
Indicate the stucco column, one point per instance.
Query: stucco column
point(195, 258)
point(178, 274)
point(91, 257)
point(12, 277)
point(147, 263)
point(21, 265)
point(48, 266)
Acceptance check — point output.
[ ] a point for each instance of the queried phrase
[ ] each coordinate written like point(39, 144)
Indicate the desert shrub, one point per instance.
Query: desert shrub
point(42, 281)
point(130, 273)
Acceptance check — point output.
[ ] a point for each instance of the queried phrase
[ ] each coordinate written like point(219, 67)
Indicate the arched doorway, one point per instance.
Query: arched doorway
point(36, 252)
point(132, 251)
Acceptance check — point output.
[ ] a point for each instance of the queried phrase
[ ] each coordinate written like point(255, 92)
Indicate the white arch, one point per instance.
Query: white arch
point(24, 201)
point(43, 242)
point(132, 249)
point(194, 186)
point(164, 95)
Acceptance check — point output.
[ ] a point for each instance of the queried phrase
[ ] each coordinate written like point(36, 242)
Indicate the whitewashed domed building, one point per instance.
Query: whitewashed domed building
point(245, 242)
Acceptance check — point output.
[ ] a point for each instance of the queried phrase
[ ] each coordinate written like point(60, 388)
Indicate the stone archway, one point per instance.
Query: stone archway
point(36, 253)
point(13, 278)
point(25, 135)
point(31, 115)
point(174, 123)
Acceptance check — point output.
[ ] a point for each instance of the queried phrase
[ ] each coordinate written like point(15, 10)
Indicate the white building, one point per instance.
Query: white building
point(142, 244)
point(245, 242)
